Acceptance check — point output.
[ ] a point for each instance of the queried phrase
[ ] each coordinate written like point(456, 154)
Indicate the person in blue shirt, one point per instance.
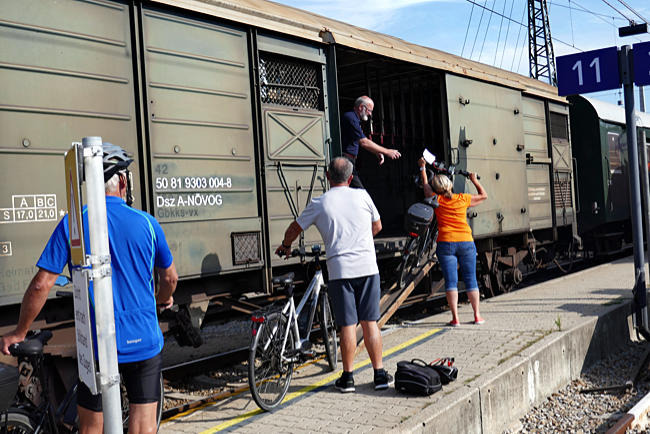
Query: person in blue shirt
point(353, 138)
point(138, 248)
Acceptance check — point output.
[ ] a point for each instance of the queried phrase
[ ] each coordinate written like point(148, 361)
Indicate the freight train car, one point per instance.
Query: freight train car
point(231, 110)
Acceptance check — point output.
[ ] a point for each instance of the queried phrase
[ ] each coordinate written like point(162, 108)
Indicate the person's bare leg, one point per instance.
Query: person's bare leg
point(452, 301)
point(474, 297)
point(90, 422)
point(142, 418)
point(348, 346)
point(372, 340)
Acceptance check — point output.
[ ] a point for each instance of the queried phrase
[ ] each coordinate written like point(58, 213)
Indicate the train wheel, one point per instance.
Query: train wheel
point(328, 330)
point(269, 375)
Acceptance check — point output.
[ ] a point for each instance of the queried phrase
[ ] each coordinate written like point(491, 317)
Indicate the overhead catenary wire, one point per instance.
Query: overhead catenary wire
point(514, 55)
point(583, 9)
point(521, 24)
point(467, 31)
point(496, 49)
point(480, 21)
point(633, 11)
point(619, 12)
point(487, 29)
point(600, 16)
point(505, 41)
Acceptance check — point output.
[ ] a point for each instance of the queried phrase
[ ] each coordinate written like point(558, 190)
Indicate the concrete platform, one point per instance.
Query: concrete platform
point(534, 341)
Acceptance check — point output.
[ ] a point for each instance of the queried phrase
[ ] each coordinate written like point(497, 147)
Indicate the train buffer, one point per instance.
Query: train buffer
point(535, 341)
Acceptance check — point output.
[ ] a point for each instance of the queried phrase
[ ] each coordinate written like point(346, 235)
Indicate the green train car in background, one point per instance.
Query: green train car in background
point(600, 149)
point(231, 111)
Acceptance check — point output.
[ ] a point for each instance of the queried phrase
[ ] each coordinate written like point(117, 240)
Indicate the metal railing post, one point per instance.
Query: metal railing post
point(109, 378)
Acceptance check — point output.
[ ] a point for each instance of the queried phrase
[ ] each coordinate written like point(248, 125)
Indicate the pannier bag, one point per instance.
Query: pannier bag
point(417, 378)
point(418, 218)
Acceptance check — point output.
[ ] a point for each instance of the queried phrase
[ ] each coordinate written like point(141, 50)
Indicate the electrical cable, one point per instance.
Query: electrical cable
point(582, 9)
point(496, 50)
point(633, 11)
point(467, 31)
point(600, 16)
point(514, 56)
point(619, 12)
point(480, 21)
point(487, 29)
point(507, 31)
point(573, 39)
point(523, 25)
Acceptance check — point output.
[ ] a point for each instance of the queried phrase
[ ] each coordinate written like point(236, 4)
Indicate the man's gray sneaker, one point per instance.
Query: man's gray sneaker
point(383, 380)
point(345, 384)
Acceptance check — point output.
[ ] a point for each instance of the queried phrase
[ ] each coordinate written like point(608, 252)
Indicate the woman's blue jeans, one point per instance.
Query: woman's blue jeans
point(453, 254)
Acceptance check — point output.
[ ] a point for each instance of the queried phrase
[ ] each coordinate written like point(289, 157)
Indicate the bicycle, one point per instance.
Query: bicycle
point(32, 410)
point(422, 226)
point(278, 343)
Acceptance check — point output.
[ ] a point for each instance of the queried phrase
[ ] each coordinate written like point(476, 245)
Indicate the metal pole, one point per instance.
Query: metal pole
point(109, 377)
point(640, 307)
point(645, 190)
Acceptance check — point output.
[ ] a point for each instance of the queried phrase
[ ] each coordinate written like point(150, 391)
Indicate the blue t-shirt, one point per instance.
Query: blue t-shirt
point(351, 133)
point(137, 245)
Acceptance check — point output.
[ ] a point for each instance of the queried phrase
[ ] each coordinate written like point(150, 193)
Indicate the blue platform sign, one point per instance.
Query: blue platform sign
point(641, 63)
point(591, 71)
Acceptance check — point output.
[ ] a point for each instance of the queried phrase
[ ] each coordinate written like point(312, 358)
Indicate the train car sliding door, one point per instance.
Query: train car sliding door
point(292, 80)
point(202, 151)
point(537, 163)
point(64, 76)
point(487, 137)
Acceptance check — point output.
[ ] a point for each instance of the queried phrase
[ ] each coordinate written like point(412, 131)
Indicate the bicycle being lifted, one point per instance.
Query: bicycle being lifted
point(421, 223)
point(278, 341)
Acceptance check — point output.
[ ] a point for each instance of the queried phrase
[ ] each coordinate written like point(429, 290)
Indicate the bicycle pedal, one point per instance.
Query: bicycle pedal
point(305, 346)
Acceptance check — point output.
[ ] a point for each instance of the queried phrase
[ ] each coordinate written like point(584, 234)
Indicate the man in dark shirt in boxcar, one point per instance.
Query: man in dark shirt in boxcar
point(352, 137)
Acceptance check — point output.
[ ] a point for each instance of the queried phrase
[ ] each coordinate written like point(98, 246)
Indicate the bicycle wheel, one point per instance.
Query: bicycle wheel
point(409, 259)
point(427, 247)
point(15, 422)
point(125, 405)
point(268, 375)
point(328, 330)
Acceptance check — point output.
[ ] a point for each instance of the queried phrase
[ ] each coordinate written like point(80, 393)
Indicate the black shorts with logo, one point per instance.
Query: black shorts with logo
point(142, 381)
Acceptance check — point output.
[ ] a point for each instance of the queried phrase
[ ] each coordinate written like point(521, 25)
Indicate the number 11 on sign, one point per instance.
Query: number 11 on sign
point(594, 63)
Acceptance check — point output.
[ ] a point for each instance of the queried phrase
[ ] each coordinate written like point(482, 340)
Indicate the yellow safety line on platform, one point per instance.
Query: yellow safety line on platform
point(322, 382)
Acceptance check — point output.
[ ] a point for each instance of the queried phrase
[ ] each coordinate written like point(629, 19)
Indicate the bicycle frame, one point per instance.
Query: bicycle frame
point(312, 293)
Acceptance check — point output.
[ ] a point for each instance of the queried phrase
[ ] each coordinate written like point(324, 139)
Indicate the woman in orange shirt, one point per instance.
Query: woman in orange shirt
point(455, 243)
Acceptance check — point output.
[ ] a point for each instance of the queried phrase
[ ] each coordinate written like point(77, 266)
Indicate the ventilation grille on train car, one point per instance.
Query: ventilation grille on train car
point(562, 186)
point(559, 126)
point(245, 247)
point(289, 82)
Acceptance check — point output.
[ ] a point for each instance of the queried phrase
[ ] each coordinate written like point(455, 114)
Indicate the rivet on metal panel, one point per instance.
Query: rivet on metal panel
point(497, 176)
point(520, 148)
point(466, 142)
point(523, 210)
point(26, 143)
point(494, 141)
point(234, 151)
point(463, 101)
point(516, 111)
point(177, 149)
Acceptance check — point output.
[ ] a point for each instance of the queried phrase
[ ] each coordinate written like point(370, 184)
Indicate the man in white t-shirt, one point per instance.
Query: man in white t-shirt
point(347, 219)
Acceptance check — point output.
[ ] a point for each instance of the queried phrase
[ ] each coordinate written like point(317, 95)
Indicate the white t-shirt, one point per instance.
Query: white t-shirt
point(344, 218)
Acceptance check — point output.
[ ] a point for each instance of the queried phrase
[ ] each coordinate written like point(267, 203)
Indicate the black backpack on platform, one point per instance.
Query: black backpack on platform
point(417, 377)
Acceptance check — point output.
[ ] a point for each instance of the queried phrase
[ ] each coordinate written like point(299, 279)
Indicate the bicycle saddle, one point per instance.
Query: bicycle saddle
point(285, 279)
point(32, 346)
point(432, 201)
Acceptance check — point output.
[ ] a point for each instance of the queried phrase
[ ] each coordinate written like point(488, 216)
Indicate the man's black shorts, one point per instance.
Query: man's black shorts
point(142, 381)
point(355, 300)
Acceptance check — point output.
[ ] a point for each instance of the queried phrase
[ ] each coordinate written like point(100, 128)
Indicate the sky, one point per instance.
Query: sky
point(464, 28)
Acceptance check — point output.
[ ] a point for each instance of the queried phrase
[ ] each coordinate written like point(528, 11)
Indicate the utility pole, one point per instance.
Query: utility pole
point(540, 45)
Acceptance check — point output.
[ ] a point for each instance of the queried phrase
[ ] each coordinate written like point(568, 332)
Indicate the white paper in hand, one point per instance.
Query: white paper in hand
point(428, 156)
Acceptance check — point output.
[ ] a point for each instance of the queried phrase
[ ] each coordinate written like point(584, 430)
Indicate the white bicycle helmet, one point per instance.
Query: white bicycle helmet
point(115, 159)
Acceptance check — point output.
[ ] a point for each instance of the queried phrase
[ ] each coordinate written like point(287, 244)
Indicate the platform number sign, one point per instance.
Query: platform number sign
point(641, 63)
point(590, 71)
